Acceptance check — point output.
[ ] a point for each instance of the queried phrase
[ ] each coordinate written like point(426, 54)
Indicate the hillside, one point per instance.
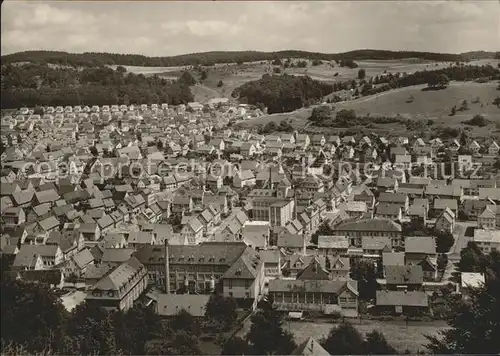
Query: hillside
point(435, 105)
point(210, 58)
point(36, 84)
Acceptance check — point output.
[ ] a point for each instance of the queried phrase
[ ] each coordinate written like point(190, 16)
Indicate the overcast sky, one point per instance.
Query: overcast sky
point(170, 28)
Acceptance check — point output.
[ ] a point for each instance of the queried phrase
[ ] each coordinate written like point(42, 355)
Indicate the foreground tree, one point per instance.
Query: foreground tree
point(266, 335)
point(235, 346)
point(344, 339)
point(376, 344)
point(221, 310)
point(365, 273)
point(32, 316)
point(475, 323)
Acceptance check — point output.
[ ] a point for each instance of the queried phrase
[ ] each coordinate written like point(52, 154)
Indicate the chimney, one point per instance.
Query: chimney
point(167, 268)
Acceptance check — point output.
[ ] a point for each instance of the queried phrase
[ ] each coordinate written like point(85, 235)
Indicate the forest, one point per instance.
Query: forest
point(32, 84)
point(210, 58)
point(282, 93)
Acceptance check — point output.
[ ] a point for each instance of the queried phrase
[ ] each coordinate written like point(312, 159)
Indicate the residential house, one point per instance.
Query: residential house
point(445, 221)
point(487, 240)
point(121, 288)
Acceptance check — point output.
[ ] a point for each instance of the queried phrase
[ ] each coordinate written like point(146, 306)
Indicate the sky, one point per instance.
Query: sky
point(164, 28)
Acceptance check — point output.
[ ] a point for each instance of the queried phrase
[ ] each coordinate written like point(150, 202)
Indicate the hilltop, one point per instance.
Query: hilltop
point(211, 58)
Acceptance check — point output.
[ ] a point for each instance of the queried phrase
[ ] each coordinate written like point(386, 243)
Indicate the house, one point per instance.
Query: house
point(488, 218)
point(402, 302)
point(51, 255)
point(400, 199)
point(421, 250)
point(493, 149)
point(474, 147)
point(193, 231)
point(354, 209)
point(244, 280)
point(487, 240)
point(355, 230)
point(325, 296)
point(256, 234)
point(292, 242)
point(336, 245)
point(244, 178)
point(404, 278)
point(470, 280)
point(13, 216)
point(388, 211)
point(78, 263)
point(445, 221)
point(374, 246)
point(272, 260)
point(121, 288)
point(392, 259)
point(441, 204)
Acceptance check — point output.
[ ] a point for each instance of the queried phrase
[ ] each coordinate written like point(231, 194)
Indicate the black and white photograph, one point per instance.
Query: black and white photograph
point(220, 177)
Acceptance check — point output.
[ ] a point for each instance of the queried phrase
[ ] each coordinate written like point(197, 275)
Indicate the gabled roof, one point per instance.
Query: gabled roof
point(404, 274)
point(310, 347)
point(420, 244)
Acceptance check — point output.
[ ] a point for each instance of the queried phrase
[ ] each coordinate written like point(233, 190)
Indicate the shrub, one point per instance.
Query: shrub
point(477, 120)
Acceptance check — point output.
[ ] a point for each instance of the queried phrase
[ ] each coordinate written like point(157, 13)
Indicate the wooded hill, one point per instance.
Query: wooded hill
point(210, 58)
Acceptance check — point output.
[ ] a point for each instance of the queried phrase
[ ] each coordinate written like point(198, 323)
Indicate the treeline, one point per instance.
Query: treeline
point(282, 93)
point(456, 73)
point(210, 58)
point(37, 84)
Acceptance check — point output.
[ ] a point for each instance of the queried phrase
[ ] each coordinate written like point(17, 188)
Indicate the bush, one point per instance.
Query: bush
point(477, 120)
point(220, 83)
point(317, 62)
point(361, 74)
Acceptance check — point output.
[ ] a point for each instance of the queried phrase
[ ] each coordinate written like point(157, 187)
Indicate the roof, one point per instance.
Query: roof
point(386, 197)
point(116, 254)
point(375, 242)
point(171, 304)
point(388, 209)
point(393, 258)
point(334, 242)
point(119, 277)
point(310, 347)
point(206, 253)
point(245, 267)
point(420, 244)
point(83, 258)
point(404, 274)
point(482, 235)
point(402, 298)
point(288, 240)
point(318, 286)
point(472, 279)
point(375, 224)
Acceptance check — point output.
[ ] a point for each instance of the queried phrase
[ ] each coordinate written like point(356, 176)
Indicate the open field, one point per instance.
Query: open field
point(398, 334)
point(435, 105)
point(430, 104)
point(233, 75)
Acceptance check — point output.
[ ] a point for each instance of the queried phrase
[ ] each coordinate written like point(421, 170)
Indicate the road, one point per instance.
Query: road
point(460, 243)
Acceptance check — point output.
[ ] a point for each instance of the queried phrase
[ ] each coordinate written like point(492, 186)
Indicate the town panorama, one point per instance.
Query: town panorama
point(247, 178)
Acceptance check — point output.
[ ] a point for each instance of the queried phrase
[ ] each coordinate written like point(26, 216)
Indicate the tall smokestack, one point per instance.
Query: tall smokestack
point(167, 268)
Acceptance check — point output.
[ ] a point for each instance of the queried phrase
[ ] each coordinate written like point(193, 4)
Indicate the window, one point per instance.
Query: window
point(342, 300)
point(230, 283)
point(247, 283)
point(247, 295)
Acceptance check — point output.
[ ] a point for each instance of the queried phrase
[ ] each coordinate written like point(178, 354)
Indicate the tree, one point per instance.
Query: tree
point(31, 316)
point(220, 83)
point(346, 114)
point(477, 120)
point(90, 330)
point(453, 110)
point(464, 106)
point(187, 78)
point(134, 328)
point(471, 259)
point(221, 310)
point(323, 229)
point(444, 241)
point(361, 74)
point(121, 69)
point(474, 322)
point(235, 346)
point(344, 339)
point(365, 273)
point(321, 113)
point(317, 62)
point(376, 344)
point(185, 321)
point(203, 75)
point(266, 335)
point(174, 343)
point(443, 80)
